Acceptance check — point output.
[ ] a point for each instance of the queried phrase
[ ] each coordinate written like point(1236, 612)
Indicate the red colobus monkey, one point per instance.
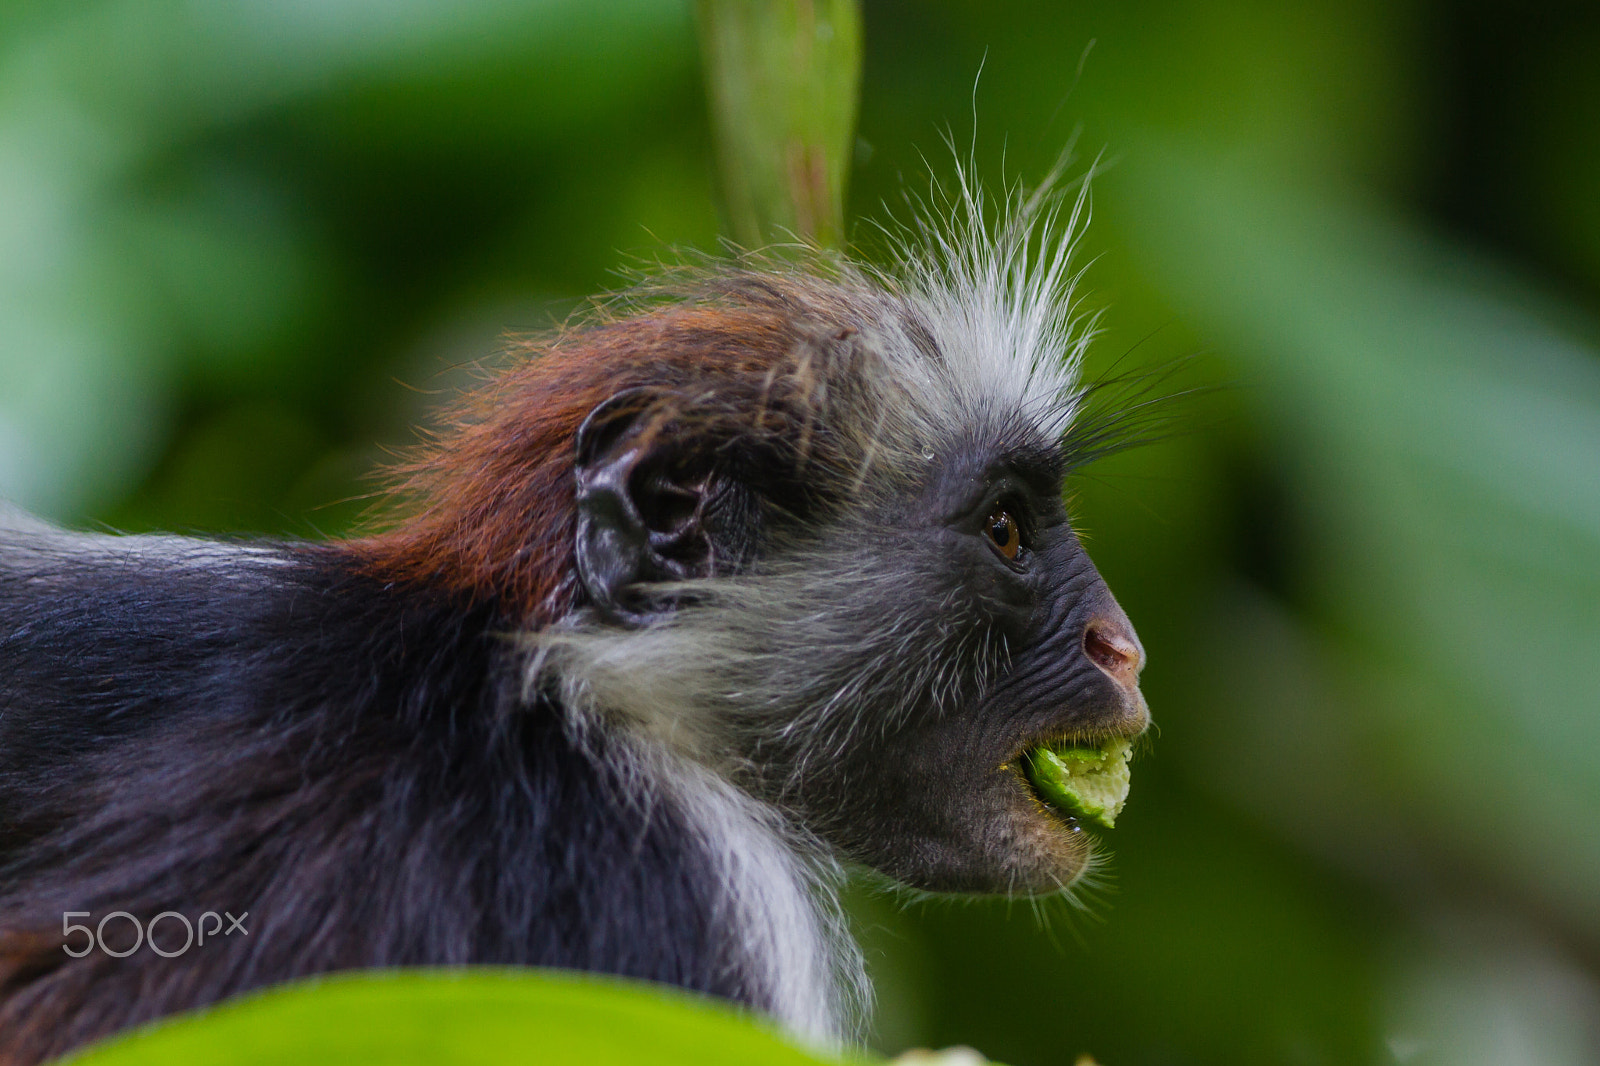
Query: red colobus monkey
point(767, 571)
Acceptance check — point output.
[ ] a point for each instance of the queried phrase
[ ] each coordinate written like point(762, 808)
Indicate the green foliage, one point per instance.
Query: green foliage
point(1444, 439)
point(460, 1018)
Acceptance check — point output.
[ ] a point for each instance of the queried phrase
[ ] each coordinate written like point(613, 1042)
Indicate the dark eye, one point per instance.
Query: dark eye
point(1004, 532)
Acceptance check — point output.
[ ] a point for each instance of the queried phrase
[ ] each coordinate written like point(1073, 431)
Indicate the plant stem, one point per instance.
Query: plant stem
point(783, 78)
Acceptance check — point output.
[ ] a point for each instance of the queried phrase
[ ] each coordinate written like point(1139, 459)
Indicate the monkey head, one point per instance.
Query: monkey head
point(808, 534)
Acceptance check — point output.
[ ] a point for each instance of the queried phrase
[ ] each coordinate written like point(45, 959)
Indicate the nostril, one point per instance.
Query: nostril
point(1111, 651)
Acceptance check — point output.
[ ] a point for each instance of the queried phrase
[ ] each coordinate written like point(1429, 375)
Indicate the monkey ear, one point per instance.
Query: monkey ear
point(642, 487)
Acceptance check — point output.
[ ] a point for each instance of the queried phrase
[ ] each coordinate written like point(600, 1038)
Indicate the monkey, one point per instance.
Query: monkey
point(761, 572)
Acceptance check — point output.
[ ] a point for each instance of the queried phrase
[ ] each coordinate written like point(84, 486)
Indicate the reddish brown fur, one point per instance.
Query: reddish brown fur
point(493, 499)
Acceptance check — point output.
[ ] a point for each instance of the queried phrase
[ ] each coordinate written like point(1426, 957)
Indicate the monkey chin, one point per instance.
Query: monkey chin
point(1050, 849)
point(969, 822)
point(1046, 848)
point(1055, 845)
point(1007, 842)
point(1052, 854)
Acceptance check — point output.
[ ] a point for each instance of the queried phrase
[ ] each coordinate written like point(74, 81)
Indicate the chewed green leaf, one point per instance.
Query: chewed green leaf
point(1089, 783)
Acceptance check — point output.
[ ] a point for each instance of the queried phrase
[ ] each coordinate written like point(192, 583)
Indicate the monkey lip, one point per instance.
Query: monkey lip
point(1044, 807)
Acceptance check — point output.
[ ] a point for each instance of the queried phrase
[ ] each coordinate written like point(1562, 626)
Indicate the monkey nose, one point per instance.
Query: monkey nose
point(1110, 643)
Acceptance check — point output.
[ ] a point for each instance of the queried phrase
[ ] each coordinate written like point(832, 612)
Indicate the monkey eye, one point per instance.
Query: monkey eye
point(1003, 532)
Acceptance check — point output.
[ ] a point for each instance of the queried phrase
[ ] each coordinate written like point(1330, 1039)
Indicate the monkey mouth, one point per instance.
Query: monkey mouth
point(1080, 782)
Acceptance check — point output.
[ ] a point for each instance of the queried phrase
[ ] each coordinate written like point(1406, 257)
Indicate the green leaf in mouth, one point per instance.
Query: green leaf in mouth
point(1090, 784)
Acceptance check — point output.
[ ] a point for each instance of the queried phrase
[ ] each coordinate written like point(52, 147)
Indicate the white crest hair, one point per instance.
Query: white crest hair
point(998, 293)
point(974, 323)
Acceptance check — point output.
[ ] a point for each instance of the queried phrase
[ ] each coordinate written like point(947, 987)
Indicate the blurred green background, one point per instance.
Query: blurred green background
point(246, 245)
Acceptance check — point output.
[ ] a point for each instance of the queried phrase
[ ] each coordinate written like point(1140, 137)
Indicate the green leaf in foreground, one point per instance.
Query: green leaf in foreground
point(449, 1017)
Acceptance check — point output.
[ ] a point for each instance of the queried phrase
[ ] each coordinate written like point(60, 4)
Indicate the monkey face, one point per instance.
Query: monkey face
point(946, 796)
point(879, 671)
point(932, 790)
